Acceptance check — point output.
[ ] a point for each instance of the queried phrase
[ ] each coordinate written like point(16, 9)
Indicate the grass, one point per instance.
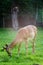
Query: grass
point(7, 36)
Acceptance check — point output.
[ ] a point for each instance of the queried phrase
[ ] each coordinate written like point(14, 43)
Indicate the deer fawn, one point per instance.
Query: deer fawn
point(24, 34)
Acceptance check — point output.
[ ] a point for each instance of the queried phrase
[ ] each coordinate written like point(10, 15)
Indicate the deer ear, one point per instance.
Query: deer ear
point(6, 45)
point(3, 48)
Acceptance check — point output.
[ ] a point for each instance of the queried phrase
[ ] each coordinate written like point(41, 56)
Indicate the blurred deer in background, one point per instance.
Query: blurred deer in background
point(24, 34)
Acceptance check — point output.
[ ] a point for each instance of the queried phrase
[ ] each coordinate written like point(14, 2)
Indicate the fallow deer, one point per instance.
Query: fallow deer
point(24, 34)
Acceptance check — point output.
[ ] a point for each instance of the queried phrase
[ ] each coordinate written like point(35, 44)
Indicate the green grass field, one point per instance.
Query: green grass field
point(7, 36)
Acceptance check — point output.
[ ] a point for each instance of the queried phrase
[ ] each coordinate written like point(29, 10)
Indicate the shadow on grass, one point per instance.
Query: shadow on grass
point(22, 58)
point(4, 59)
point(19, 59)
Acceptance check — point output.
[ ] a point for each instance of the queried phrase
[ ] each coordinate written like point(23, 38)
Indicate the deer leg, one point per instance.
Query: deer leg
point(33, 45)
point(19, 49)
point(26, 45)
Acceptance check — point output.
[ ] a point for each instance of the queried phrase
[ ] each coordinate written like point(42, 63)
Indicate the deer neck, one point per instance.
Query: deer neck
point(12, 45)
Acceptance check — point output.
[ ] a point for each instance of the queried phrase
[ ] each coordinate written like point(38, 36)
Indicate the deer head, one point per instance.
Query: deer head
point(7, 49)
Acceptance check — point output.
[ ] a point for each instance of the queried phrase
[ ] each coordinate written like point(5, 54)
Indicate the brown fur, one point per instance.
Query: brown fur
point(26, 33)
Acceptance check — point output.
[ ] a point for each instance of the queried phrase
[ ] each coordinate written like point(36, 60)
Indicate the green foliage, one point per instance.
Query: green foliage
point(23, 4)
point(7, 36)
point(5, 5)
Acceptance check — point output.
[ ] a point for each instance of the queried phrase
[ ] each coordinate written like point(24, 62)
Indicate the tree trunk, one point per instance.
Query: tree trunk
point(14, 21)
point(36, 13)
